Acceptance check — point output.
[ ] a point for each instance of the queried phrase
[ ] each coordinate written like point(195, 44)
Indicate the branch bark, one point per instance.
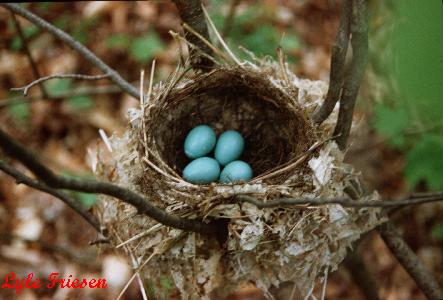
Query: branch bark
point(72, 203)
point(26, 88)
point(191, 13)
point(80, 91)
point(353, 23)
point(345, 202)
point(75, 45)
point(339, 50)
point(407, 258)
point(17, 151)
point(359, 42)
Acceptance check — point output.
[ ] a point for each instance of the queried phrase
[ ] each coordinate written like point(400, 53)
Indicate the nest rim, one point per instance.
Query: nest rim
point(251, 84)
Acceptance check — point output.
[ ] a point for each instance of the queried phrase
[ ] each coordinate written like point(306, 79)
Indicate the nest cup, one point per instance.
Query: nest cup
point(290, 157)
point(274, 128)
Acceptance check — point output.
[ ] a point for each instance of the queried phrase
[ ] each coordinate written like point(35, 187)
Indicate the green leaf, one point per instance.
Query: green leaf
point(44, 6)
point(20, 112)
point(81, 102)
point(80, 34)
point(249, 16)
point(418, 67)
point(166, 284)
point(81, 30)
point(58, 86)
point(290, 42)
point(29, 31)
point(425, 162)
point(437, 232)
point(391, 124)
point(62, 22)
point(87, 200)
point(263, 41)
point(118, 41)
point(144, 48)
point(16, 43)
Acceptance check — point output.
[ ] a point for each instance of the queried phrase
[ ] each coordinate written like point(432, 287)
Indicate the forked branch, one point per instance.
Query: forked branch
point(353, 78)
point(191, 13)
point(339, 50)
point(26, 88)
point(344, 84)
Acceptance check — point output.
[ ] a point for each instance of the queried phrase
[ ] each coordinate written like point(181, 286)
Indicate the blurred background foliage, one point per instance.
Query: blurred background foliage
point(401, 101)
point(410, 115)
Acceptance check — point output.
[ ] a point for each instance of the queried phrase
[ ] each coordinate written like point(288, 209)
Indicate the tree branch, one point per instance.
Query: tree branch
point(72, 203)
point(85, 90)
point(17, 151)
point(339, 50)
point(359, 42)
point(42, 79)
point(345, 202)
point(28, 53)
point(191, 13)
point(424, 279)
point(75, 45)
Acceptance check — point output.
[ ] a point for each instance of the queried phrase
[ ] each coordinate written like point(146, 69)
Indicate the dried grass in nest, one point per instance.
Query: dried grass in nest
point(290, 157)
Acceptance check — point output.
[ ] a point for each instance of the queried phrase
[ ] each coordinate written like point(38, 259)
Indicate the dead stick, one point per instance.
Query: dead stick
point(407, 258)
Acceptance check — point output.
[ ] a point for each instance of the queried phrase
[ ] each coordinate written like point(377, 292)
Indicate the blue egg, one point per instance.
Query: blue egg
point(199, 141)
point(236, 171)
point(202, 170)
point(229, 147)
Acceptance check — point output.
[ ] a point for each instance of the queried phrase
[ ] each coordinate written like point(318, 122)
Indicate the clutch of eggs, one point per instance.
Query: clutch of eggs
point(203, 169)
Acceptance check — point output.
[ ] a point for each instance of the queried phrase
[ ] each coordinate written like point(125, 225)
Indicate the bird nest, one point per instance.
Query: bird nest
point(290, 156)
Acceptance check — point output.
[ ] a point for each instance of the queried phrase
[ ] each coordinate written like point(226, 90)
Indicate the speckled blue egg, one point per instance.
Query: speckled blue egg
point(199, 141)
point(236, 171)
point(202, 170)
point(229, 147)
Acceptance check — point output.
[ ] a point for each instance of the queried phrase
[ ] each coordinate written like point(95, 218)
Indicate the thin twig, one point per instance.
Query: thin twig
point(219, 37)
point(80, 91)
point(143, 206)
point(282, 63)
point(345, 202)
point(26, 88)
point(71, 42)
point(205, 41)
point(339, 50)
point(136, 273)
point(191, 13)
point(72, 203)
point(407, 258)
point(192, 46)
point(28, 53)
point(359, 42)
